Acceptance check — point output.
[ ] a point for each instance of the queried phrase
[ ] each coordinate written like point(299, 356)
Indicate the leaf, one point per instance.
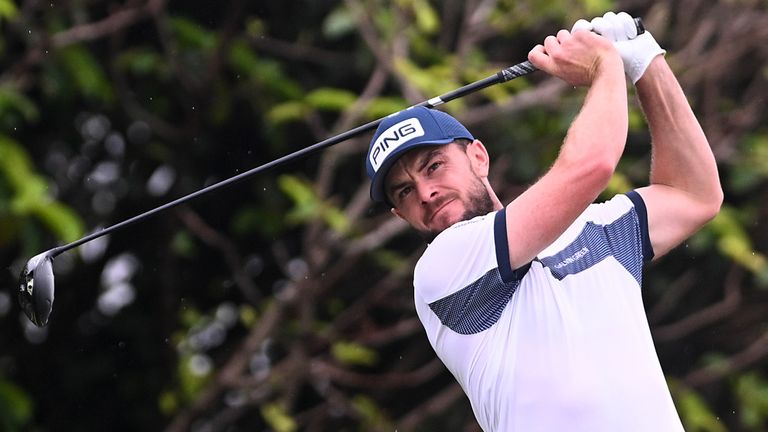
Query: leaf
point(30, 193)
point(751, 389)
point(694, 411)
point(183, 244)
point(278, 418)
point(168, 402)
point(306, 203)
point(751, 164)
point(330, 99)
point(287, 112)
point(15, 407)
point(338, 23)
point(734, 242)
point(248, 315)
point(354, 354)
point(12, 101)
point(619, 183)
point(336, 219)
point(597, 7)
point(264, 72)
point(8, 9)
point(434, 80)
point(60, 219)
point(390, 260)
point(191, 382)
point(86, 73)
point(384, 106)
point(373, 416)
point(190, 34)
point(144, 62)
point(426, 17)
point(308, 206)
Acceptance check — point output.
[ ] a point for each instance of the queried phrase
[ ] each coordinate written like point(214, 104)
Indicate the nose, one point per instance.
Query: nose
point(427, 192)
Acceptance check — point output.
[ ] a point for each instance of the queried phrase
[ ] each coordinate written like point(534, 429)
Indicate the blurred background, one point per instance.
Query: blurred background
point(283, 303)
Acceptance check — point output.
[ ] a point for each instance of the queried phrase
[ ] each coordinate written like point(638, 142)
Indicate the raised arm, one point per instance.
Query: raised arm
point(684, 191)
point(590, 151)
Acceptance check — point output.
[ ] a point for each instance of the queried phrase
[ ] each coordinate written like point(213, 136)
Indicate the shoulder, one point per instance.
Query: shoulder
point(461, 253)
point(607, 212)
point(616, 216)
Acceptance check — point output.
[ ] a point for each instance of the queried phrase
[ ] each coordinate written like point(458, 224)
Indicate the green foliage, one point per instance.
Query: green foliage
point(597, 7)
point(354, 354)
point(262, 73)
point(390, 259)
point(511, 15)
point(734, 241)
point(15, 407)
point(696, 415)
point(13, 104)
point(425, 16)
point(191, 379)
point(8, 10)
point(308, 206)
point(433, 80)
point(66, 59)
point(30, 196)
point(184, 245)
point(145, 62)
point(86, 73)
point(191, 35)
point(258, 219)
point(751, 165)
point(372, 414)
point(338, 23)
point(330, 99)
point(278, 418)
point(751, 391)
point(248, 315)
point(384, 106)
point(168, 402)
point(618, 184)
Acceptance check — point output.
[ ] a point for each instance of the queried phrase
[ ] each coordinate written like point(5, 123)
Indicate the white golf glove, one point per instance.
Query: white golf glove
point(636, 51)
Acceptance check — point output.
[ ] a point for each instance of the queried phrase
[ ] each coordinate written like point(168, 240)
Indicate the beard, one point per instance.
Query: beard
point(478, 203)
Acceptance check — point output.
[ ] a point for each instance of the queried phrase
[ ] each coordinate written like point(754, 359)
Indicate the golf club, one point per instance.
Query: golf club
point(36, 282)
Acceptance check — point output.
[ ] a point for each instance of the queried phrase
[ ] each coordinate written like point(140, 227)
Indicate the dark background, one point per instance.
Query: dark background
point(284, 302)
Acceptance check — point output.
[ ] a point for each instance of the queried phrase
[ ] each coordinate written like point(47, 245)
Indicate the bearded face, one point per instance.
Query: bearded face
point(435, 187)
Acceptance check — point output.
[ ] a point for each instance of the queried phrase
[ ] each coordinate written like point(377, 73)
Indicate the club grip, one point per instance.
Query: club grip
point(639, 25)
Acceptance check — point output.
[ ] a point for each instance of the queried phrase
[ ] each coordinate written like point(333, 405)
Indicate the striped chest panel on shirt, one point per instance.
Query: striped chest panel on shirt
point(620, 239)
point(479, 305)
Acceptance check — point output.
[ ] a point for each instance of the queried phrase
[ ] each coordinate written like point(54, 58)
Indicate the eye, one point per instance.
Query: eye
point(433, 167)
point(404, 192)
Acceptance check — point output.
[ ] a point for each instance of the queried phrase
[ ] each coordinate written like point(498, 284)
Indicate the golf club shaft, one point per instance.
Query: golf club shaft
point(504, 75)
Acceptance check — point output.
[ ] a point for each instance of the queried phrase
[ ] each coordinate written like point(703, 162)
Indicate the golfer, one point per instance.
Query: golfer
point(535, 305)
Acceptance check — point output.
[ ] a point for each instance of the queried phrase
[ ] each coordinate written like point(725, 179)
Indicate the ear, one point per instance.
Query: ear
point(397, 213)
point(478, 158)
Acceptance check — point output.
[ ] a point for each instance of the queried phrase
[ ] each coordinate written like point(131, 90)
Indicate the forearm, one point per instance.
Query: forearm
point(681, 155)
point(582, 170)
point(599, 132)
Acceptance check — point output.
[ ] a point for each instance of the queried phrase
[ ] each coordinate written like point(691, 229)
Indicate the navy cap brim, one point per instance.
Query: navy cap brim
point(377, 184)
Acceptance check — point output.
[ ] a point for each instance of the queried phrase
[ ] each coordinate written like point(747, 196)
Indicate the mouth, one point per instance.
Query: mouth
point(439, 209)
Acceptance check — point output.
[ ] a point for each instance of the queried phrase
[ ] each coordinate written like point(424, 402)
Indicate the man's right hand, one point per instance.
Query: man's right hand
point(577, 58)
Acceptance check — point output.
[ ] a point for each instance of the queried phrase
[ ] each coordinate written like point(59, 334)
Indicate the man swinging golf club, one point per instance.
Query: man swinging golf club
point(535, 305)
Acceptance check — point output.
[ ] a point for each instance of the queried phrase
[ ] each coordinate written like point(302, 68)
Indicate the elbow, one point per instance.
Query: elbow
point(710, 203)
point(714, 203)
point(600, 171)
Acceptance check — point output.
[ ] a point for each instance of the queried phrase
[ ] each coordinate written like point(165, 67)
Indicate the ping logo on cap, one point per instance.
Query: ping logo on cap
point(392, 138)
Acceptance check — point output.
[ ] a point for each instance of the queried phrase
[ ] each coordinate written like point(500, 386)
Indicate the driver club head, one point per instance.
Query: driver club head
point(36, 288)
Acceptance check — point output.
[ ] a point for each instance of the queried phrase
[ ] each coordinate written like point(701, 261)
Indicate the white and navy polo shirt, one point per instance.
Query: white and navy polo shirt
point(562, 344)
